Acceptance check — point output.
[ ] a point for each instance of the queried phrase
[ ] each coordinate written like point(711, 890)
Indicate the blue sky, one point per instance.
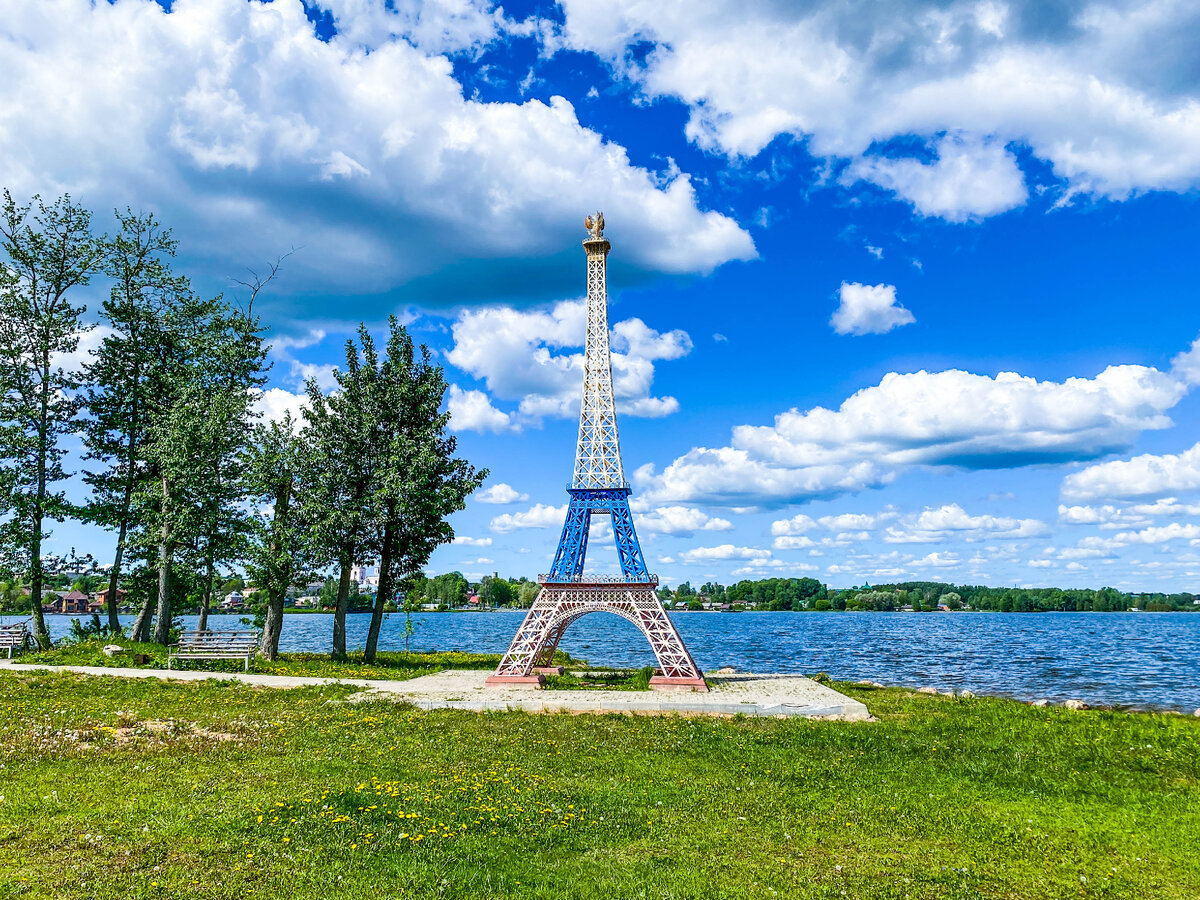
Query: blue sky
point(898, 291)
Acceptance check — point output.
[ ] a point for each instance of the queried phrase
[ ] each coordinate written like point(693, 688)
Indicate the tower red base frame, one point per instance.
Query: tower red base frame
point(559, 605)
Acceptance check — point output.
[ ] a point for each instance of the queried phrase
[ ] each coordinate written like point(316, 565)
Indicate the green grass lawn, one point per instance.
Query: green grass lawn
point(387, 665)
point(118, 788)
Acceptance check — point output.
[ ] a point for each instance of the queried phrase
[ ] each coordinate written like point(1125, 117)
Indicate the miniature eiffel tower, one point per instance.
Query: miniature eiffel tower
point(598, 488)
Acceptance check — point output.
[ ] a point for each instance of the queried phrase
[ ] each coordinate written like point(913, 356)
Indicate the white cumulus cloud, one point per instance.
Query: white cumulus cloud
point(499, 493)
point(969, 179)
point(538, 516)
point(868, 309)
point(1147, 475)
point(951, 520)
point(472, 541)
point(951, 418)
point(680, 520)
point(929, 101)
point(534, 358)
point(248, 134)
point(724, 551)
point(274, 404)
point(471, 410)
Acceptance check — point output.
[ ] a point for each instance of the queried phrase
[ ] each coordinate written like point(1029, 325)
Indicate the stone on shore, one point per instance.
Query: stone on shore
point(112, 649)
point(1076, 704)
point(966, 695)
point(927, 690)
point(1042, 702)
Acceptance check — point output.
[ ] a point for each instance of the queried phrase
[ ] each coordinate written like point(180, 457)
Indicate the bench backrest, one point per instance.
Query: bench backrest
point(15, 636)
point(218, 640)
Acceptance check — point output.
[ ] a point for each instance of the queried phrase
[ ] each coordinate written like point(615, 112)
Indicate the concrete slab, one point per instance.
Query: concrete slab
point(731, 694)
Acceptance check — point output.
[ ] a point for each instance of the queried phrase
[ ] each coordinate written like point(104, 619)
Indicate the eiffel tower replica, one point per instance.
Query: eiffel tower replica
point(598, 488)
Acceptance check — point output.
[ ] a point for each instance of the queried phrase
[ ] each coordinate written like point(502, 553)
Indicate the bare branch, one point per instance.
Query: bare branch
point(255, 284)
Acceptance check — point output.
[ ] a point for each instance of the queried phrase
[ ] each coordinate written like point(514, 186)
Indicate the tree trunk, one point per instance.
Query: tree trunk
point(339, 611)
point(386, 590)
point(281, 574)
point(140, 631)
point(162, 616)
point(273, 626)
point(36, 585)
point(37, 577)
point(206, 597)
point(114, 623)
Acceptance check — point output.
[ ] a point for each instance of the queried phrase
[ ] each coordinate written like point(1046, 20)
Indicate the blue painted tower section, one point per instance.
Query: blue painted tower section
point(572, 546)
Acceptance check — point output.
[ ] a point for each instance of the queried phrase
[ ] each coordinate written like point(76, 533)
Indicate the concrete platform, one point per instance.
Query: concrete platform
point(740, 694)
point(731, 695)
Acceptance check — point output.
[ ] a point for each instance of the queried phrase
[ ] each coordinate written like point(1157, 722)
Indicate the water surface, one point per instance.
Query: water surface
point(1128, 659)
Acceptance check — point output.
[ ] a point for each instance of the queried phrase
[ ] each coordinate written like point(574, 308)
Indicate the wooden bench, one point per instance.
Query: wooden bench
point(215, 645)
point(15, 637)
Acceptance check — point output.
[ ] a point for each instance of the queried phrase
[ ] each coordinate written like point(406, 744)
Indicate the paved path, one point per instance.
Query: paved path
point(740, 694)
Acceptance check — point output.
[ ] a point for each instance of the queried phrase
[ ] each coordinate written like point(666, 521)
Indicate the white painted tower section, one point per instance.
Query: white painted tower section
point(598, 452)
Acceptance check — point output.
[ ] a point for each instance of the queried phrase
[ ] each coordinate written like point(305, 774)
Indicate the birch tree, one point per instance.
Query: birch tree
point(280, 549)
point(419, 481)
point(344, 444)
point(196, 438)
point(48, 253)
point(127, 379)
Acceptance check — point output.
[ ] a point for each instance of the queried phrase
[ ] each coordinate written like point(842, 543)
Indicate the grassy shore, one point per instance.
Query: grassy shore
point(391, 666)
point(143, 789)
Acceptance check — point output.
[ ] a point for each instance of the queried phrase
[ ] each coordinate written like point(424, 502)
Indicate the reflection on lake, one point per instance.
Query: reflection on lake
point(1147, 659)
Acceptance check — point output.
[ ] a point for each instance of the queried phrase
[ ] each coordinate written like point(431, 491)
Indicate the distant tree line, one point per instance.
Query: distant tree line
point(191, 484)
point(810, 594)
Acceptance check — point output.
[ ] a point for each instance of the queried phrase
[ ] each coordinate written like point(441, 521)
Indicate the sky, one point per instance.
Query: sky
point(897, 291)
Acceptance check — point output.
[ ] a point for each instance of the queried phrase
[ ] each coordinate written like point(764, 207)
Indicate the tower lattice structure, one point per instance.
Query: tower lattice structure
point(598, 487)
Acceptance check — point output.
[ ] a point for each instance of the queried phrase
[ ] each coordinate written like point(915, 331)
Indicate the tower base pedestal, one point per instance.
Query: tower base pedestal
point(663, 683)
point(560, 603)
point(533, 682)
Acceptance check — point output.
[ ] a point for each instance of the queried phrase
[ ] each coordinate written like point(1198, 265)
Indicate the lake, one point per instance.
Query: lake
point(1127, 659)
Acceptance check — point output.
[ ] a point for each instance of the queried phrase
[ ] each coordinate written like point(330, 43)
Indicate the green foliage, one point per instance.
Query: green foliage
point(126, 379)
point(929, 594)
point(777, 593)
point(808, 593)
point(341, 432)
point(47, 253)
point(495, 591)
point(419, 482)
point(280, 550)
point(14, 596)
point(449, 588)
point(82, 632)
point(939, 799)
point(527, 592)
point(168, 397)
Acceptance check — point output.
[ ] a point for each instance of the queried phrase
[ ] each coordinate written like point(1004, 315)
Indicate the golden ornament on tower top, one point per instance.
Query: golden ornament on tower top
point(595, 225)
